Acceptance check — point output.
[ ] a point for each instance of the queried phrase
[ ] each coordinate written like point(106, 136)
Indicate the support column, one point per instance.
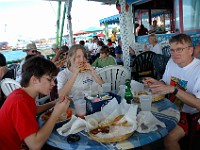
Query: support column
point(58, 23)
point(69, 24)
point(126, 31)
point(62, 26)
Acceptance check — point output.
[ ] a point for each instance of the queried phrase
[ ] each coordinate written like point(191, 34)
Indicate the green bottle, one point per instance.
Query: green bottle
point(128, 94)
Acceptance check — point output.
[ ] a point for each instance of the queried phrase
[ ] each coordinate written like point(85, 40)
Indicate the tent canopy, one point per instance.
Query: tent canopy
point(92, 35)
point(110, 20)
point(80, 32)
point(93, 29)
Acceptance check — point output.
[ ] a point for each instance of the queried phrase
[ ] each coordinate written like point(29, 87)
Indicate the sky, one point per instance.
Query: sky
point(35, 19)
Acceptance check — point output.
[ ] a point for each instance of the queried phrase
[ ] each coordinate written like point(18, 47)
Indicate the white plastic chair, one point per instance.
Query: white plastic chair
point(8, 85)
point(114, 74)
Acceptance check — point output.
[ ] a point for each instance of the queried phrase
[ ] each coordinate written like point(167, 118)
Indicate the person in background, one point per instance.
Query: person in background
point(93, 56)
point(31, 49)
point(142, 30)
point(78, 75)
point(99, 46)
point(154, 27)
point(95, 45)
point(3, 67)
point(119, 53)
point(5, 72)
point(197, 52)
point(109, 43)
point(18, 124)
point(113, 36)
point(57, 51)
point(74, 41)
point(105, 59)
point(60, 63)
point(82, 42)
point(181, 79)
point(154, 46)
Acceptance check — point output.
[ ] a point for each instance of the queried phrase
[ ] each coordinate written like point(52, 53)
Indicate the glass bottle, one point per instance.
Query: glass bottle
point(128, 94)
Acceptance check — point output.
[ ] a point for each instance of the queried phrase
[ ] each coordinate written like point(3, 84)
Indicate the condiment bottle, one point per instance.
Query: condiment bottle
point(128, 94)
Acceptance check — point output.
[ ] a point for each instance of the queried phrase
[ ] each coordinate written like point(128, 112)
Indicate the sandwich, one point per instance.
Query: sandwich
point(83, 67)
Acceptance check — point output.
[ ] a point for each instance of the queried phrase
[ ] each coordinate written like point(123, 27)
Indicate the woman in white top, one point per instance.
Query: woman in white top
point(154, 46)
point(70, 80)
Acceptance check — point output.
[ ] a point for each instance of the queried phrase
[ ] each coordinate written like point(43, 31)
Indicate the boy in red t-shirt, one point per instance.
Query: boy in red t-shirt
point(18, 124)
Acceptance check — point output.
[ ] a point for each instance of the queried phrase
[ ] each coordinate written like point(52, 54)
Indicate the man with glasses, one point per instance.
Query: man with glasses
point(182, 81)
point(31, 49)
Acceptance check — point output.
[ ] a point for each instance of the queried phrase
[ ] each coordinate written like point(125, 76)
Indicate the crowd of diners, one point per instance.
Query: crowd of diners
point(37, 75)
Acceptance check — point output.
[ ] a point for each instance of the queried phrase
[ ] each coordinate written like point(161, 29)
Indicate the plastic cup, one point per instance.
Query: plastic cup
point(145, 102)
point(80, 108)
point(106, 87)
point(94, 88)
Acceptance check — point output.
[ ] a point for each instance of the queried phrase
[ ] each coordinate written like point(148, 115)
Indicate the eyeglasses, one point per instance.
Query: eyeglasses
point(178, 50)
point(50, 79)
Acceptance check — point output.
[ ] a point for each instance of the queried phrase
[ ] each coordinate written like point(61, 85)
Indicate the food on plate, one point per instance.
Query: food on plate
point(62, 117)
point(105, 129)
point(117, 119)
point(155, 97)
point(142, 93)
point(83, 67)
point(69, 113)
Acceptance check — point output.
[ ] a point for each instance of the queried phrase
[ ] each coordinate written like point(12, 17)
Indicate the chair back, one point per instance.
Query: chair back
point(14, 67)
point(8, 85)
point(159, 64)
point(114, 74)
point(142, 66)
point(166, 52)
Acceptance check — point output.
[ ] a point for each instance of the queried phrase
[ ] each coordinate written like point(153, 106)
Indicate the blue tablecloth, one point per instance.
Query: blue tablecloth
point(163, 110)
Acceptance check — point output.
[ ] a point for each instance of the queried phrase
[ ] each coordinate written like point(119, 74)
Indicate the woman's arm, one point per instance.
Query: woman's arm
point(94, 75)
point(68, 85)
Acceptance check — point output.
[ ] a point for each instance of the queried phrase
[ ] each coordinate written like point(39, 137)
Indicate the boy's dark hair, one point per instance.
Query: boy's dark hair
point(29, 56)
point(181, 38)
point(2, 60)
point(104, 49)
point(37, 66)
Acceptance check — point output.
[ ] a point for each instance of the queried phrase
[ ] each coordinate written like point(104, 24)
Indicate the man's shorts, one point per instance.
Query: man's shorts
point(185, 118)
point(183, 122)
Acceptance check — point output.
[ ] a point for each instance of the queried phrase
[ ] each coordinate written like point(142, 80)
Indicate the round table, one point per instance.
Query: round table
point(163, 110)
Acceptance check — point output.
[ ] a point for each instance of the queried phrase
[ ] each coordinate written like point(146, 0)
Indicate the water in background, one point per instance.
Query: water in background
point(13, 55)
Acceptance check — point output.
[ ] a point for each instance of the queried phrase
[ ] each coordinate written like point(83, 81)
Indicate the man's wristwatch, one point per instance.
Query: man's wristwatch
point(175, 91)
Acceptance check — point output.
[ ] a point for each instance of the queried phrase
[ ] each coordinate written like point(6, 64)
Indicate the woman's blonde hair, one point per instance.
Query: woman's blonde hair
point(153, 37)
point(72, 51)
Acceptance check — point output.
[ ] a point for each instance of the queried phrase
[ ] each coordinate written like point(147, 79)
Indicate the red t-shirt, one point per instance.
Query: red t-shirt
point(17, 120)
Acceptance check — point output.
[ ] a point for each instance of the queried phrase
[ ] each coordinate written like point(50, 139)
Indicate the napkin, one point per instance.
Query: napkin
point(75, 125)
point(147, 122)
